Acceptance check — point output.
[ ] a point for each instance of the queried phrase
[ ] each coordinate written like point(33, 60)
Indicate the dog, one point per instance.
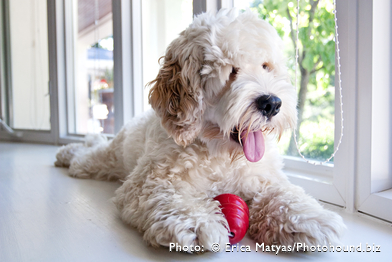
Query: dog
point(221, 100)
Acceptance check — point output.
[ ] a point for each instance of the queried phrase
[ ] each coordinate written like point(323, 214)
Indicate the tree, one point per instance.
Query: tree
point(316, 51)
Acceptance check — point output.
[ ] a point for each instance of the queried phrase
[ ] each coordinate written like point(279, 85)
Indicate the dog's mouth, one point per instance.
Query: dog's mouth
point(252, 143)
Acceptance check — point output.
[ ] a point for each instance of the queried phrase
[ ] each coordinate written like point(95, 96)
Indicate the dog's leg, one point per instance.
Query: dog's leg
point(96, 158)
point(171, 212)
point(285, 214)
point(66, 153)
point(101, 162)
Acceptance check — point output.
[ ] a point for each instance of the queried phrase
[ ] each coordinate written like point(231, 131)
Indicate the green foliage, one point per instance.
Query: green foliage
point(317, 50)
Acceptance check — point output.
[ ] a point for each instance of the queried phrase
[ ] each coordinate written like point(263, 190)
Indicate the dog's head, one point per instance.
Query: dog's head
point(224, 81)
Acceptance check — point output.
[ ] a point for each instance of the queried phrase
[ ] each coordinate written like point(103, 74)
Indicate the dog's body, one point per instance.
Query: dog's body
point(220, 98)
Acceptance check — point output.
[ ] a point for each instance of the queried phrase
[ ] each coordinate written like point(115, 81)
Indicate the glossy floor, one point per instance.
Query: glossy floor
point(45, 215)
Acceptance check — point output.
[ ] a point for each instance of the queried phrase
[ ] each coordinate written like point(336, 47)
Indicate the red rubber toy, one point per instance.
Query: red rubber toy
point(237, 215)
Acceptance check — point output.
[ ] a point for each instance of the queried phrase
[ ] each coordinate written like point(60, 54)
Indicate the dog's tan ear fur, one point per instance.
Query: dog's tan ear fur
point(176, 94)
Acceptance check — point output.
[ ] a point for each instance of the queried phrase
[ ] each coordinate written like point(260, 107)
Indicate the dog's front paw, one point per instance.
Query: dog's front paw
point(188, 237)
point(213, 236)
point(287, 222)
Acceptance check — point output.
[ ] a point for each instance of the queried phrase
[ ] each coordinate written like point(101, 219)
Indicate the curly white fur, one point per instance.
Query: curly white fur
point(173, 161)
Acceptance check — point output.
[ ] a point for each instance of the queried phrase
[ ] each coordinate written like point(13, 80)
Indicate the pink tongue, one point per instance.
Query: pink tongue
point(253, 145)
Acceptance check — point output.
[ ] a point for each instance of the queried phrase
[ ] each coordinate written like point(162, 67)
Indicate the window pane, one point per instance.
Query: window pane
point(162, 22)
point(93, 109)
point(316, 80)
point(29, 65)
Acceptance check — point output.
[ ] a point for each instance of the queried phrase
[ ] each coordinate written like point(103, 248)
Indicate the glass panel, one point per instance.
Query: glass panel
point(162, 21)
point(93, 109)
point(316, 80)
point(29, 65)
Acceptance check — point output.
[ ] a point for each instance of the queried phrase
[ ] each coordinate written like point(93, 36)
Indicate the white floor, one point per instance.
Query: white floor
point(46, 215)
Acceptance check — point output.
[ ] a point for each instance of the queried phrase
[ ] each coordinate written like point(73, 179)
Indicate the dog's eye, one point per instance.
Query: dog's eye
point(234, 70)
point(266, 67)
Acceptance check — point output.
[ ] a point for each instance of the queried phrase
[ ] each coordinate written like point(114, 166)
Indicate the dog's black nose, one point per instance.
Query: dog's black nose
point(269, 105)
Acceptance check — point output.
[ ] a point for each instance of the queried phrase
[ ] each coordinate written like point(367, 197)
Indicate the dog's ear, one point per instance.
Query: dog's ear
point(176, 94)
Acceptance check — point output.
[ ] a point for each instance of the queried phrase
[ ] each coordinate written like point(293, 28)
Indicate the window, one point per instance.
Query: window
point(90, 67)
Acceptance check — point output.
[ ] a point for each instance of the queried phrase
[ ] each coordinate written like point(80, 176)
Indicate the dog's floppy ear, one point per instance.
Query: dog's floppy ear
point(176, 94)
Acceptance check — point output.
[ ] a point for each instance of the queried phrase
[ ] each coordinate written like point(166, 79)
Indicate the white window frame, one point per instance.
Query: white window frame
point(374, 154)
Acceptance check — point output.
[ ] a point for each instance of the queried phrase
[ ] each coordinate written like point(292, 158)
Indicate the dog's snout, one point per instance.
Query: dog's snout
point(269, 105)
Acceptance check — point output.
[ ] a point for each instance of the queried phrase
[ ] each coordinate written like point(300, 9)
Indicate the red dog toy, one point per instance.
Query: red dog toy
point(237, 215)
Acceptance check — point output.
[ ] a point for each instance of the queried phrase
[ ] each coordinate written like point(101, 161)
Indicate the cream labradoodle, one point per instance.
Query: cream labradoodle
point(221, 100)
